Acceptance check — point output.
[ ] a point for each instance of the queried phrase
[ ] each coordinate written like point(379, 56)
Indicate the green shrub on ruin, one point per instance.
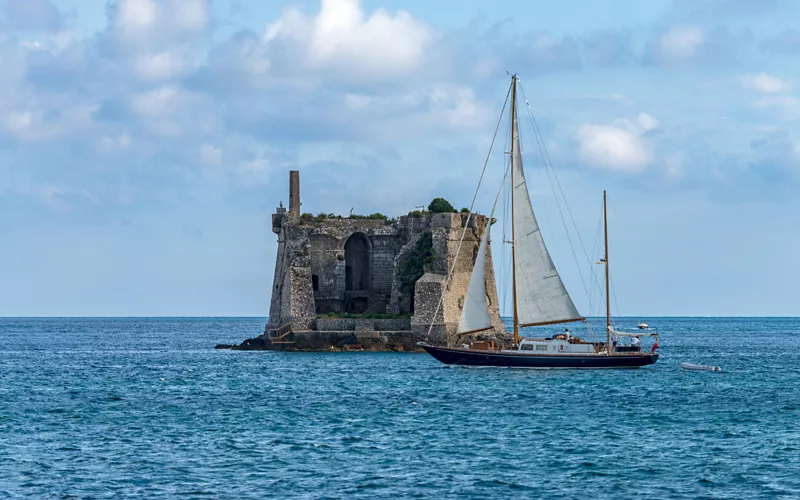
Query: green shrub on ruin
point(413, 266)
point(375, 216)
point(440, 206)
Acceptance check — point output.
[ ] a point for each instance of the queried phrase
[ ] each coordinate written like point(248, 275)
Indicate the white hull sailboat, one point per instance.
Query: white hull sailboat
point(539, 297)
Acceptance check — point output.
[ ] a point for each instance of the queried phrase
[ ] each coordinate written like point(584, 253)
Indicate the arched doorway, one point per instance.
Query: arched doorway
point(357, 262)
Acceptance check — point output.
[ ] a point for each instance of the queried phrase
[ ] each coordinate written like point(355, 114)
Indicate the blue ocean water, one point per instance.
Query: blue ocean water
point(123, 408)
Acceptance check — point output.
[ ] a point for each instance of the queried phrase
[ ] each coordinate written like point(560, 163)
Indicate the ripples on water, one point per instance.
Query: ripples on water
point(145, 407)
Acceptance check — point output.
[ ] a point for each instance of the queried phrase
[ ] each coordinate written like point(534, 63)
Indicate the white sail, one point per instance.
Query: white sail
point(541, 295)
point(475, 313)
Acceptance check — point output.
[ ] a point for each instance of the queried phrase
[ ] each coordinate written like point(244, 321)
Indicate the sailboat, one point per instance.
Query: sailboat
point(539, 297)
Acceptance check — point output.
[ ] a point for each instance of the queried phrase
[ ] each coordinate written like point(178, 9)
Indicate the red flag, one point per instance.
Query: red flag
point(655, 346)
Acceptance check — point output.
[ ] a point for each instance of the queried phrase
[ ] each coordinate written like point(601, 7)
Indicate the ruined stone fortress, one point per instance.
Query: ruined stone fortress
point(370, 282)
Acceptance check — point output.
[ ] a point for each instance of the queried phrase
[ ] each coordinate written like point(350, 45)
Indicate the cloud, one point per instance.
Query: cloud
point(150, 25)
point(681, 42)
point(783, 105)
point(614, 148)
point(343, 38)
point(704, 11)
point(692, 45)
point(606, 48)
point(165, 65)
point(786, 42)
point(647, 123)
point(35, 15)
point(547, 51)
point(765, 83)
point(240, 63)
point(540, 52)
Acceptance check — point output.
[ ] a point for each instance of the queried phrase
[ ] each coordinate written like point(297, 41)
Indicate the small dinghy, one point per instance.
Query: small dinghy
point(708, 368)
point(643, 326)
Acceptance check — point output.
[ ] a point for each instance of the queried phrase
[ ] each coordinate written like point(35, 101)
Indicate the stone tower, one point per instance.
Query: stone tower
point(331, 271)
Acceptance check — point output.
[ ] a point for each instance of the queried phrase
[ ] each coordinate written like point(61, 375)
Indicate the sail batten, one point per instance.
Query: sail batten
point(475, 313)
point(541, 297)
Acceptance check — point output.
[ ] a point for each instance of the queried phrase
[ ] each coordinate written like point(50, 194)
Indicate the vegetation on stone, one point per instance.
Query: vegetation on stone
point(440, 206)
point(323, 216)
point(465, 210)
point(376, 215)
point(420, 257)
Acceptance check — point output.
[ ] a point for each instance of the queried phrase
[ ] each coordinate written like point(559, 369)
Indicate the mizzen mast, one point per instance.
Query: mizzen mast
point(608, 297)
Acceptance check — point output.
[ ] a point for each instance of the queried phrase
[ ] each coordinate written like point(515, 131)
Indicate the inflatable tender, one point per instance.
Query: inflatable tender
point(708, 368)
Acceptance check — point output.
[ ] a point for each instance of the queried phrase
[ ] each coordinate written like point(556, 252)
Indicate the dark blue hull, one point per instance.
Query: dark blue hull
point(471, 357)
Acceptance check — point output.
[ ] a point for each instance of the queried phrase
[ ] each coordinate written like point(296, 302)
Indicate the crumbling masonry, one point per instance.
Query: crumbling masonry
point(341, 282)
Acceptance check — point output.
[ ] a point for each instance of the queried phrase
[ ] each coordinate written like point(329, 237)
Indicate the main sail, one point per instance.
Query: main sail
point(475, 313)
point(541, 296)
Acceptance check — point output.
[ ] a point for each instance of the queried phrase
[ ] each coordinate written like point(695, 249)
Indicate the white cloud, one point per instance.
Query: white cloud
point(113, 143)
point(765, 83)
point(784, 105)
point(191, 15)
point(135, 15)
point(612, 147)
point(160, 66)
point(674, 166)
point(646, 122)
point(356, 102)
point(157, 102)
point(210, 155)
point(797, 151)
point(32, 14)
point(681, 42)
point(148, 23)
point(342, 37)
point(38, 124)
point(643, 123)
point(18, 123)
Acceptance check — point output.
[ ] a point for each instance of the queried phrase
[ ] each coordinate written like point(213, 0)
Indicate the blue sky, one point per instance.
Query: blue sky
point(144, 144)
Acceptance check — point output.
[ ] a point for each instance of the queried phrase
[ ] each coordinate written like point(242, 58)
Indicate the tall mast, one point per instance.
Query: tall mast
point(608, 297)
point(514, 132)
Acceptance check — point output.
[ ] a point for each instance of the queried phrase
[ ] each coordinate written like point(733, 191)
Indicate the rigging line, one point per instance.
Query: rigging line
point(558, 182)
point(540, 143)
point(469, 215)
point(614, 294)
point(505, 268)
point(596, 251)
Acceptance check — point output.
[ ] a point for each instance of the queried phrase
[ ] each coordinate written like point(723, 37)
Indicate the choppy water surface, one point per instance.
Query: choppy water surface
point(146, 408)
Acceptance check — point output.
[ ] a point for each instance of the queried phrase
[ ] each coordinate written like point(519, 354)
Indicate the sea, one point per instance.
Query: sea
point(147, 408)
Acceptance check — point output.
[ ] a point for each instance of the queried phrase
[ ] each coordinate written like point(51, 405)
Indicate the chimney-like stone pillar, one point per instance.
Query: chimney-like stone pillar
point(294, 194)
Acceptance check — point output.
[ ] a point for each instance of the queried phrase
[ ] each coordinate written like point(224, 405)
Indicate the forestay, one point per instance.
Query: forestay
point(541, 295)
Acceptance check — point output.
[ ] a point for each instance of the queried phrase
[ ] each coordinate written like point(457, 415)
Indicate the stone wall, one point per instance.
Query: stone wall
point(325, 243)
point(433, 286)
point(313, 277)
point(352, 324)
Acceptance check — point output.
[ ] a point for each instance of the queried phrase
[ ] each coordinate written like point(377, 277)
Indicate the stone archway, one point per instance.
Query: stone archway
point(357, 259)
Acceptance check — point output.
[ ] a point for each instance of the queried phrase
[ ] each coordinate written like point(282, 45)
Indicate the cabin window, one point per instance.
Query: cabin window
point(541, 347)
point(526, 347)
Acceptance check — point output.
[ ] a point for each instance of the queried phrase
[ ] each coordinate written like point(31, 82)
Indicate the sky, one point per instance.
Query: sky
point(145, 143)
